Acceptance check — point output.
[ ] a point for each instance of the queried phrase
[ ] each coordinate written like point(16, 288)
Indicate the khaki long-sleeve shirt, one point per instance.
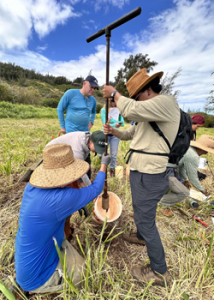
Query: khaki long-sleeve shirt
point(164, 110)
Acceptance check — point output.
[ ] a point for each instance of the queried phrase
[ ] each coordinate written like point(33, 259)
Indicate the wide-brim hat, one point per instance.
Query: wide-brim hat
point(98, 139)
point(204, 142)
point(59, 167)
point(139, 80)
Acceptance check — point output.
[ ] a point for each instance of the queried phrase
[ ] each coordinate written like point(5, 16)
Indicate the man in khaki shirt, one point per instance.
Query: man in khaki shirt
point(148, 159)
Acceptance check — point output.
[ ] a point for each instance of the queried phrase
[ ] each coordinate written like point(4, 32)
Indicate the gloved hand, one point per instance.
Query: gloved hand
point(206, 192)
point(85, 211)
point(105, 159)
point(187, 184)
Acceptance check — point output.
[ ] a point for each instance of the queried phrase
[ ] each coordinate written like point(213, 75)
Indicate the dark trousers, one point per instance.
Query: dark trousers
point(147, 190)
point(88, 160)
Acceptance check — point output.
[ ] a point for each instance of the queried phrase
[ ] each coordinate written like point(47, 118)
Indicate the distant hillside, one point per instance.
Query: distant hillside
point(23, 86)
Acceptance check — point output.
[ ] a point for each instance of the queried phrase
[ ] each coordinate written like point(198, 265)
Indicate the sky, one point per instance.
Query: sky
point(49, 36)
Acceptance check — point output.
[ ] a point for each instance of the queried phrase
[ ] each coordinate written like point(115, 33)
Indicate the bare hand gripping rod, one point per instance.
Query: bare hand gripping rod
point(107, 31)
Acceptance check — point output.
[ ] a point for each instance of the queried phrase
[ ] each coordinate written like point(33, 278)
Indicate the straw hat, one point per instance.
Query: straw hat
point(59, 167)
point(204, 142)
point(139, 80)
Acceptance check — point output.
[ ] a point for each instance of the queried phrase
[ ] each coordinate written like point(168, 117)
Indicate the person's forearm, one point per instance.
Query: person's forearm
point(116, 97)
point(193, 176)
point(103, 168)
point(114, 132)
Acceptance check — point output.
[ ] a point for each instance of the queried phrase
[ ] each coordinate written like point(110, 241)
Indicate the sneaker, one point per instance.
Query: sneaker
point(112, 172)
point(145, 274)
point(167, 212)
point(133, 239)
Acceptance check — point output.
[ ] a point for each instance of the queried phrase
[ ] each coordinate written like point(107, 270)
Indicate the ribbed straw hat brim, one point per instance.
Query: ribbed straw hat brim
point(59, 167)
point(52, 178)
point(139, 80)
point(205, 142)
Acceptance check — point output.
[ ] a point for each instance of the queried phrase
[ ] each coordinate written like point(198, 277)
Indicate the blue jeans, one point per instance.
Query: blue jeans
point(114, 142)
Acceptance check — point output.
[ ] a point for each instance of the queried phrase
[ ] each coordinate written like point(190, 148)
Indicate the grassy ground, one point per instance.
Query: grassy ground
point(188, 245)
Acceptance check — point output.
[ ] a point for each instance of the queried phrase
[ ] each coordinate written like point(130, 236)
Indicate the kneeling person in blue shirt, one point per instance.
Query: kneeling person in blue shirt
point(45, 207)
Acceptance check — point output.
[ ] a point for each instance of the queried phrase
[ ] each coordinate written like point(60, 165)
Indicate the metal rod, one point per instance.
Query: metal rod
point(105, 204)
point(107, 31)
point(131, 15)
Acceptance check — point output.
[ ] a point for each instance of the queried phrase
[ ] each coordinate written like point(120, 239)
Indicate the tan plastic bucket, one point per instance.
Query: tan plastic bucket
point(114, 211)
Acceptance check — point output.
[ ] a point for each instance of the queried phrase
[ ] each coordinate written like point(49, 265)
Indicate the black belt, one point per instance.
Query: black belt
point(141, 151)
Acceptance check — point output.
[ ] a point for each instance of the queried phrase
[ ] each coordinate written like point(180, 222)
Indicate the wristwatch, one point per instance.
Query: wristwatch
point(112, 95)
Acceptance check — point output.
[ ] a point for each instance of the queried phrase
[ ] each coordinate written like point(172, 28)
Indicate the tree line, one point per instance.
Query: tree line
point(12, 72)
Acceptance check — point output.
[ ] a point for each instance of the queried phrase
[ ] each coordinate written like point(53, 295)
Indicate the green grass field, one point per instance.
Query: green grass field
point(190, 257)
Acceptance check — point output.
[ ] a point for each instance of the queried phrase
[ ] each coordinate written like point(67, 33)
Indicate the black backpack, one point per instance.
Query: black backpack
point(182, 140)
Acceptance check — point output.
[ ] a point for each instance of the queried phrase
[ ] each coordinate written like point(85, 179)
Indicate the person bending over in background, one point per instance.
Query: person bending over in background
point(81, 143)
point(188, 165)
point(80, 106)
point(46, 204)
point(116, 121)
point(147, 167)
point(176, 193)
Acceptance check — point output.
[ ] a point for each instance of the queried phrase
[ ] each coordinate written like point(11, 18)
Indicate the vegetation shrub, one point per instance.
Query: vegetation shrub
point(5, 92)
point(98, 108)
point(50, 102)
point(209, 119)
point(27, 96)
point(98, 93)
point(20, 111)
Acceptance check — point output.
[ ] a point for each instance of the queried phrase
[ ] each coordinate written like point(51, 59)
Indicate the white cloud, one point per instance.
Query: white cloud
point(18, 17)
point(182, 37)
point(95, 62)
point(27, 59)
point(48, 14)
point(178, 37)
point(117, 3)
point(41, 48)
point(15, 24)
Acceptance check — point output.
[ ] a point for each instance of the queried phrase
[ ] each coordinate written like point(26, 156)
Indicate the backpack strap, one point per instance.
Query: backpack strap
point(129, 153)
point(157, 129)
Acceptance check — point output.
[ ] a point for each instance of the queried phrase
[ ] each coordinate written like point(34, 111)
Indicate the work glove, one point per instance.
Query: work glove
point(105, 159)
point(83, 211)
point(187, 184)
point(206, 192)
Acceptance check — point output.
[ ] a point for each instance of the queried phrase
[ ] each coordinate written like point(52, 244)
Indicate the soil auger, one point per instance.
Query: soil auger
point(107, 31)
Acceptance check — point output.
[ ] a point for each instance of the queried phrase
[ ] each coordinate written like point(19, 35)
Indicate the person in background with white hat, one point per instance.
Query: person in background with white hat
point(46, 204)
point(82, 143)
point(148, 159)
point(188, 165)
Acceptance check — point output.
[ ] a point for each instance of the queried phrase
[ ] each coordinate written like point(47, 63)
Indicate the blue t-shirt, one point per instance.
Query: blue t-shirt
point(42, 216)
point(80, 111)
